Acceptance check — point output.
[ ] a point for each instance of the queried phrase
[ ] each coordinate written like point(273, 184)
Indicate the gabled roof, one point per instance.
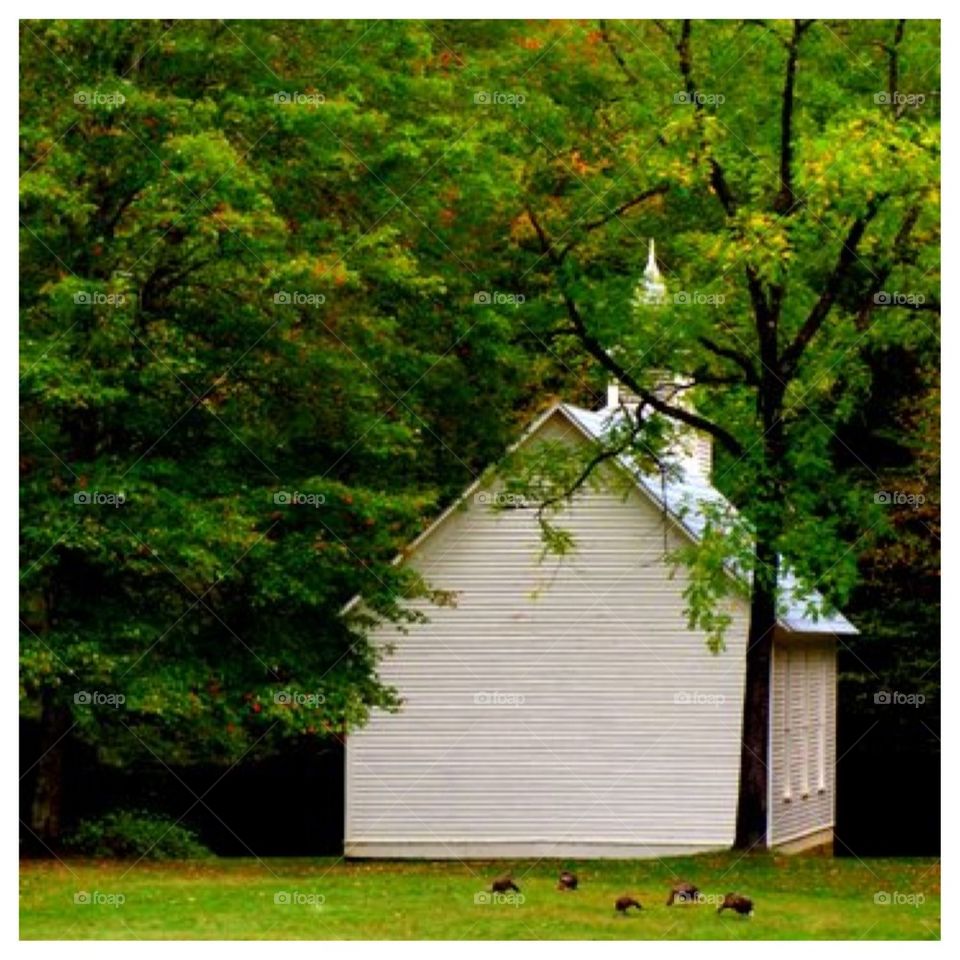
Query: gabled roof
point(683, 497)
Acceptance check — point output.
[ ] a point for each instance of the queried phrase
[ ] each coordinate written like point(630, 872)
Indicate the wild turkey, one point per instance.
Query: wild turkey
point(683, 893)
point(567, 881)
point(623, 904)
point(733, 901)
point(502, 884)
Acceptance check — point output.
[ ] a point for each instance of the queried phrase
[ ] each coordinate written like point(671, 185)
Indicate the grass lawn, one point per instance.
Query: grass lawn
point(280, 899)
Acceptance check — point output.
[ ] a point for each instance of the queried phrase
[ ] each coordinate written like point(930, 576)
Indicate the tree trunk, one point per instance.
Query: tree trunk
point(45, 814)
point(755, 732)
point(754, 773)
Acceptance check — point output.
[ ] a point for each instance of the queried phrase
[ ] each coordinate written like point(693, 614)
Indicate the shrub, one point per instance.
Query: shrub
point(135, 834)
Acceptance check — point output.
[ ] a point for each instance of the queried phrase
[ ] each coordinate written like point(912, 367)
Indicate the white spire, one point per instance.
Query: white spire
point(654, 288)
point(652, 273)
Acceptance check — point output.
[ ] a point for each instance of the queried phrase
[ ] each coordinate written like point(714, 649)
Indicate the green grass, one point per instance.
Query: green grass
point(795, 898)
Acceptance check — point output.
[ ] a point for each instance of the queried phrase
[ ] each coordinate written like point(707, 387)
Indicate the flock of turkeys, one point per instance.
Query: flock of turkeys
point(679, 893)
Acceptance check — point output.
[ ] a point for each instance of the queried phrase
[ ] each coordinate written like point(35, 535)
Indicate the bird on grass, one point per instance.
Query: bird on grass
point(623, 904)
point(683, 893)
point(502, 884)
point(741, 905)
point(567, 881)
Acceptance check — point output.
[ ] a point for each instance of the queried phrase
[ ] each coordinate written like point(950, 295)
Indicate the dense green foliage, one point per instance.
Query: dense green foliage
point(686, 126)
point(286, 287)
point(135, 835)
point(223, 300)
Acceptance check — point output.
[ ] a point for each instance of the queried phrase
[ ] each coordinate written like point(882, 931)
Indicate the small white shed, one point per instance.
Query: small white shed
point(564, 708)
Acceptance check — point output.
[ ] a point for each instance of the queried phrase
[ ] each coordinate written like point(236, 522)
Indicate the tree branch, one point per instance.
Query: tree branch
point(761, 307)
point(717, 178)
point(110, 223)
point(786, 199)
point(608, 454)
point(605, 36)
point(741, 359)
point(613, 214)
point(546, 247)
point(596, 349)
point(881, 275)
point(790, 357)
point(893, 70)
point(661, 26)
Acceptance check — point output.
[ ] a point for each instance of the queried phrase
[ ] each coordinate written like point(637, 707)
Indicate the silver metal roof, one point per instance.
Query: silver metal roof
point(683, 497)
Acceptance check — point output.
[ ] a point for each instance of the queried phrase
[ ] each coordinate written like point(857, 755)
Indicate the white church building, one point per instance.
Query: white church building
point(563, 707)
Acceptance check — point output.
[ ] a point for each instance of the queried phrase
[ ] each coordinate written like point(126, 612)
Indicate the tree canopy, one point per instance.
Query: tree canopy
point(286, 287)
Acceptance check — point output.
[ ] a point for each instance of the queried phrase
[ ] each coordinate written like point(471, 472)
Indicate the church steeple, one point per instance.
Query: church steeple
point(654, 288)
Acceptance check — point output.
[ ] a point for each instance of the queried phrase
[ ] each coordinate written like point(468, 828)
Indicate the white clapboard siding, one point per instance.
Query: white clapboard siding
point(562, 707)
point(803, 742)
